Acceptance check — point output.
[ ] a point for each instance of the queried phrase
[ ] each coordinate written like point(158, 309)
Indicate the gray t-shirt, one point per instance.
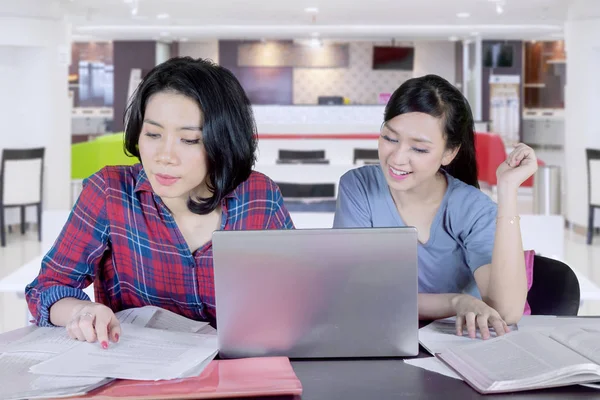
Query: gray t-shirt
point(462, 232)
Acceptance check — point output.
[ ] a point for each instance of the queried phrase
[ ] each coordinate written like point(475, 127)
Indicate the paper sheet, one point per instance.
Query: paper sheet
point(434, 365)
point(140, 354)
point(43, 340)
point(18, 382)
point(158, 318)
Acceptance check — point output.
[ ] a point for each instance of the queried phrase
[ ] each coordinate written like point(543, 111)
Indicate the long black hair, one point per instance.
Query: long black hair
point(433, 95)
point(229, 128)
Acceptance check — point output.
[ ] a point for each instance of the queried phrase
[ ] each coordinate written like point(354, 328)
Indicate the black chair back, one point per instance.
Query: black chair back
point(555, 288)
point(302, 157)
point(369, 156)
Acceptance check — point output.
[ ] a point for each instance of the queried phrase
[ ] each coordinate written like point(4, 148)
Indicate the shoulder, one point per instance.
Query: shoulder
point(468, 202)
point(368, 180)
point(117, 175)
point(111, 178)
point(258, 186)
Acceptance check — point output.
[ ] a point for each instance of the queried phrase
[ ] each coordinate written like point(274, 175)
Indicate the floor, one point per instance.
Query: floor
point(21, 249)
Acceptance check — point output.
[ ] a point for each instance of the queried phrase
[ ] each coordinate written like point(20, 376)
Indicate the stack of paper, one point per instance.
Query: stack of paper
point(155, 344)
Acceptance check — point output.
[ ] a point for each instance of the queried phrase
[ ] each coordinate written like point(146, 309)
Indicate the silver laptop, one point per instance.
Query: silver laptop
point(316, 293)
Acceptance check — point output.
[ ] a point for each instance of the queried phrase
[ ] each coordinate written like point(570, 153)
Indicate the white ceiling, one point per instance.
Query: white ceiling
point(336, 19)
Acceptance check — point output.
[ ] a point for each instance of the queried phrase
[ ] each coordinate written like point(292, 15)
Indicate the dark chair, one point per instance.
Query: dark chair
point(593, 169)
point(555, 288)
point(21, 185)
point(367, 156)
point(307, 190)
point(302, 157)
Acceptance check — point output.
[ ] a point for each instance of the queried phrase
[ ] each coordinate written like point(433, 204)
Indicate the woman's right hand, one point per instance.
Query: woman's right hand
point(473, 313)
point(91, 322)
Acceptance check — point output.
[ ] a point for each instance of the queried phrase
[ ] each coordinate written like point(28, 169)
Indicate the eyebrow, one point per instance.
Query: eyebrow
point(182, 128)
point(421, 139)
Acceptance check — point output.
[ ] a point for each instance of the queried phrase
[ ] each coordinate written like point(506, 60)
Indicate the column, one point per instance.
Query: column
point(582, 102)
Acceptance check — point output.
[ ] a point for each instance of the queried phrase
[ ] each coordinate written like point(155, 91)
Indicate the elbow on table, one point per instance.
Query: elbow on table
point(511, 315)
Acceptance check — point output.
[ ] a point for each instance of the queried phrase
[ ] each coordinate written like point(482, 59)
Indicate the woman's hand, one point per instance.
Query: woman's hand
point(520, 164)
point(474, 313)
point(92, 322)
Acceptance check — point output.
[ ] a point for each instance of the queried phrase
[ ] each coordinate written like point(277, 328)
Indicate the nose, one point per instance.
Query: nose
point(166, 153)
point(400, 156)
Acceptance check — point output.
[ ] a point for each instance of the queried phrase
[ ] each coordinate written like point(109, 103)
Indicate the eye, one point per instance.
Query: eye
point(152, 135)
point(194, 141)
point(389, 139)
point(420, 150)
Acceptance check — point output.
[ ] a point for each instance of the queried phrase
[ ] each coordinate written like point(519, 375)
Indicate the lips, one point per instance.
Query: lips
point(398, 174)
point(166, 180)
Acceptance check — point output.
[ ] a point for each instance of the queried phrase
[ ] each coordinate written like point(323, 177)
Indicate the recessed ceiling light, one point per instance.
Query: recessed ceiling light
point(499, 8)
point(453, 38)
point(311, 10)
point(463, 15)
point(162, 16)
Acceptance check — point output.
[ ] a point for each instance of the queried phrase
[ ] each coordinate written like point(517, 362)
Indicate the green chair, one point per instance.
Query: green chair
point(88, 158)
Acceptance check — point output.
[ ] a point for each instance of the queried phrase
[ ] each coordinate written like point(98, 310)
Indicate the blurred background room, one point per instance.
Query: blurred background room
point(318, 73)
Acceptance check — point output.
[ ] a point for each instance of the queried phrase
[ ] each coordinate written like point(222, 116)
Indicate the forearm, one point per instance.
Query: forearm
point(507, 284)
point(64, 309)
point(436, 306)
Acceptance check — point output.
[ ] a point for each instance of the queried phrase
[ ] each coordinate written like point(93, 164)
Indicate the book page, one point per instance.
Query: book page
point(51, 340)
point(140, 354)
point(584, 341)
point(546, 324)
point(516, 356)
point(441, 335)
point(159, 318)
point(18, 382)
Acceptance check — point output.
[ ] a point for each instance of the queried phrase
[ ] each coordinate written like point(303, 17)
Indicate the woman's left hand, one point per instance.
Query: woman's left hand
point(520, 164)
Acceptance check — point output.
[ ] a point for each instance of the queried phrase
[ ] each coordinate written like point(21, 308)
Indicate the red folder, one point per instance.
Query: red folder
point(245, 377)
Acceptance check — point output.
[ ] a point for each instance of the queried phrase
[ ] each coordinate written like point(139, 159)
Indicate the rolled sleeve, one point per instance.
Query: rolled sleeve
point(479, 233)
point(351, 209)
point(70, 264)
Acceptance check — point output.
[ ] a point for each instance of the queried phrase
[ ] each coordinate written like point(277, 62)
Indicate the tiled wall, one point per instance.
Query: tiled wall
point(361, 84)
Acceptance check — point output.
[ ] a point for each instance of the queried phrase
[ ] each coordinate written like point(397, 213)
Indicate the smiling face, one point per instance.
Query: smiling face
point(171, 148)
point(412, 148)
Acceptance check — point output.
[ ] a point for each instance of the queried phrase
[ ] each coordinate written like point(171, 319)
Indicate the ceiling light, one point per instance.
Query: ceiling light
point(183, 39)
point(474, 33)
point(162, 16)
point(311, 10)
point(315, 43)
point(463, 15)
point(453, 38)
point(499, 8)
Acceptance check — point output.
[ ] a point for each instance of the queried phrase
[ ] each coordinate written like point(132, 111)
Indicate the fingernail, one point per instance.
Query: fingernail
point(116, 337)
point(104, 345)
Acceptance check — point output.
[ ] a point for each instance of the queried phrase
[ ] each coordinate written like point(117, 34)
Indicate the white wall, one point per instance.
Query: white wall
point(206, 49)
point(582, 101)
point(361, 84)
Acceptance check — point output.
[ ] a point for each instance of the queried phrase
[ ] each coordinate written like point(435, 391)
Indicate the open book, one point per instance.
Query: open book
point(528, 360)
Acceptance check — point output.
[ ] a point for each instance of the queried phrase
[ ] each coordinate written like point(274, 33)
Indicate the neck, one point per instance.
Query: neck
point(429, 192)
point(177, 206)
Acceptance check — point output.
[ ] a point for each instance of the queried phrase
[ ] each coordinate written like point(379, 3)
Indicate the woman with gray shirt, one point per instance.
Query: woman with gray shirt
point(471, 260)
